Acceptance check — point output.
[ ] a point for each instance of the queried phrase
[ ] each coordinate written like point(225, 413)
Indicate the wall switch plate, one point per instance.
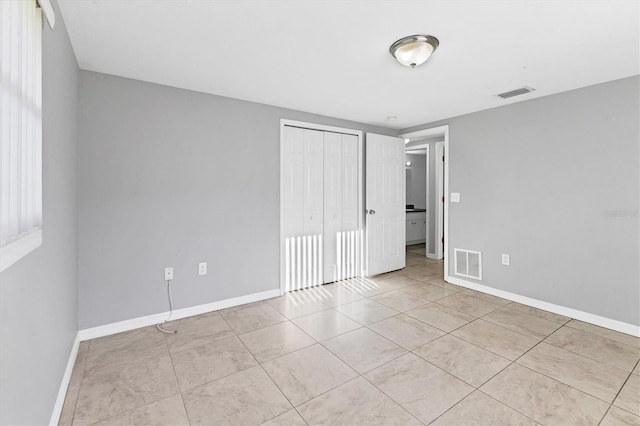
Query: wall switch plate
point(455, 197)
point(168, 274)
point(202, 268)
point(505, 259)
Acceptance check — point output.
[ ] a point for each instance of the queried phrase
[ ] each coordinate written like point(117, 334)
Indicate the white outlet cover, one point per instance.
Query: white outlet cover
point(455, 197)
point(505, 259)
point(202, 268)
point(168, 274)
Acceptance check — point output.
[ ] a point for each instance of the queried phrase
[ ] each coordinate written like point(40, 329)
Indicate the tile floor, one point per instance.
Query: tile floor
point(401, 348)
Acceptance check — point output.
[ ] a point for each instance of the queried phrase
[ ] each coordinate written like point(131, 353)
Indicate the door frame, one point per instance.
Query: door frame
point(428, 168)
point(443, 131)
point(321, 127)
point(440, 168)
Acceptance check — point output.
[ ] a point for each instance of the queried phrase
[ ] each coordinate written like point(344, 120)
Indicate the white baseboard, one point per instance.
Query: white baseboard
point(609, 323)
point(432, 256)
point(66, 378)
point(131, 324)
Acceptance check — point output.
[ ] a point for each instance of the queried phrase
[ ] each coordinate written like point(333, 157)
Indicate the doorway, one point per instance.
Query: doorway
point(437, 141)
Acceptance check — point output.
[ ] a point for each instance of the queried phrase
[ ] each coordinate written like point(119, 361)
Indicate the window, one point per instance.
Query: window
point(21, 130)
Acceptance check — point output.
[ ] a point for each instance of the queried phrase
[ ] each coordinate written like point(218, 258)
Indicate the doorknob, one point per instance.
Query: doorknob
point(371, 212)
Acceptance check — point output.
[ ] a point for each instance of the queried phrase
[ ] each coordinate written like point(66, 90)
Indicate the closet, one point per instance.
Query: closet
point(319, 218)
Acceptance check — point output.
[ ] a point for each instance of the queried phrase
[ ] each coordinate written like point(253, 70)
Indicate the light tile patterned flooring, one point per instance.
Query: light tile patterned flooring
point(401, 348)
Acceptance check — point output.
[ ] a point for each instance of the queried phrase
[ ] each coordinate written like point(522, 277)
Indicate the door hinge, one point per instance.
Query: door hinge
point(443, 158)
point(442, 240)
point(443, 198)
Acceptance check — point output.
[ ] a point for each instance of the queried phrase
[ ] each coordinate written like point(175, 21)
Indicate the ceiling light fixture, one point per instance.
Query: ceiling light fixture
point(414, 50)
point(407, 140)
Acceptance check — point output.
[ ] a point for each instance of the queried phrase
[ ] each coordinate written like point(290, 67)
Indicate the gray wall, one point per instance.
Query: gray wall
point(38, 294)
point(417, 180)
point(170, 177)
point(555, 183)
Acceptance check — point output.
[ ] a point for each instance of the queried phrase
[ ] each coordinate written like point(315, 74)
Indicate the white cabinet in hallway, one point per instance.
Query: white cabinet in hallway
point(416, 228)
point(319, 207)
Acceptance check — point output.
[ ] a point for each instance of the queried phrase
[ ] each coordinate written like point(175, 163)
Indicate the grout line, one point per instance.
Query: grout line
point(361, 375)
point(582, 354)
point(392, 399)
point(622, 387)
point(320, 394)
point(217, 378)
point(120, 369)
point(601, 336)
point(605, 413)
point(533, 315)
point(281, 391)
point(180, 392)
point(75, 404)
point(175, 374)
point(459, 378)
point(500, 402)
point(560, 381)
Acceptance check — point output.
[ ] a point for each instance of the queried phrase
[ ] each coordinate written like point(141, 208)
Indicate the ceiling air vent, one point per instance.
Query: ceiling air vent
point(517, 92)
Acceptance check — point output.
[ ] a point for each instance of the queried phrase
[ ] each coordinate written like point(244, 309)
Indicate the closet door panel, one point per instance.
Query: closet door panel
point(313, 208)
point(313, 193)
point(292, 182)
point(349, 183)
point(350, 235)
point(332, 205)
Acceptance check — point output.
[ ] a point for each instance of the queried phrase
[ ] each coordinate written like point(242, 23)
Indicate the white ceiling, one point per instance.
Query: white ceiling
point(331, 57)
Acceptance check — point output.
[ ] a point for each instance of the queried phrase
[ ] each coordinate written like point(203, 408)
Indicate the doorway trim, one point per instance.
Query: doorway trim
point(321, 127)
point(442, 130)
point(440, 168)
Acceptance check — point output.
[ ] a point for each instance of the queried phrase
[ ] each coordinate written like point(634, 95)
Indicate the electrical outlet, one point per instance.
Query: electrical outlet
point(455, 197)
point(202, 268)
point(505, 259)
point(168, 274)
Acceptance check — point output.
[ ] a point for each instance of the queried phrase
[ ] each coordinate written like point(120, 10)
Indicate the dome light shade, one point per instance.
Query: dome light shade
point(414, 50)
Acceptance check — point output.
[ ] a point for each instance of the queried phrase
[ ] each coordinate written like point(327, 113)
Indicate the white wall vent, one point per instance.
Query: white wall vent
point(468, 263)
point(516, 92)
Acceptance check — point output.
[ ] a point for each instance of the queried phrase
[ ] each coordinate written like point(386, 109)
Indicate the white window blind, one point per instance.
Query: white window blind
point(21, 129)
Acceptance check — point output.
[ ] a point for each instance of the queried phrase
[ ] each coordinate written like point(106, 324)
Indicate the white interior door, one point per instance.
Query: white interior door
point(385, 204)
